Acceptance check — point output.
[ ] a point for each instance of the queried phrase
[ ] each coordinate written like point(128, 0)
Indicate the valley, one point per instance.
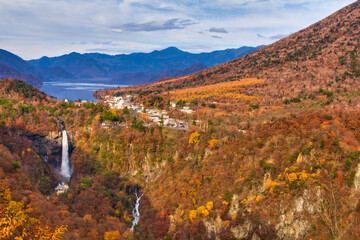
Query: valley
point(265, 146)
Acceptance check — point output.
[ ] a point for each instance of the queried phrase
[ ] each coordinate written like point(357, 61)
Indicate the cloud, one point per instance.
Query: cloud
point(107, 50)
point(56, 27)
point(121, 47)
point(175, 23)
point(274, 37)
point(218, 30)
point(154, 6)
point(94, 42)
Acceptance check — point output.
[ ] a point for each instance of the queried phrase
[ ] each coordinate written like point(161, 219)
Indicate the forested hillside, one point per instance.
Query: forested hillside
point(263, 147)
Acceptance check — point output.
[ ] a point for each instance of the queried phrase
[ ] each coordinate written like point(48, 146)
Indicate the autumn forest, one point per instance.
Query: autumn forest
point(269, 148)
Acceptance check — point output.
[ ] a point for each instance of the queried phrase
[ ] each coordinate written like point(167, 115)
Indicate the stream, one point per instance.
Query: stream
point(135, 211)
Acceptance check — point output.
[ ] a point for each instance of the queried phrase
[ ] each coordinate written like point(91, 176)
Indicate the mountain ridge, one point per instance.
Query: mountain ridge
point(321, 56)
point(12, 65)
point(152, 66)
point(131, 69)
point(266, 146)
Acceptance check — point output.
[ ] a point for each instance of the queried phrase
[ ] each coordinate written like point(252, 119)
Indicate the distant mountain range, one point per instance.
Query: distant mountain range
point(13, 66)
point(130, 69)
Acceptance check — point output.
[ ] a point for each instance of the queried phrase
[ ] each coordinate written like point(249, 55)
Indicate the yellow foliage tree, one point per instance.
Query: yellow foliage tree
point(194, 138)
point(202, 211)
point(126, 217)
point(226, 223)
point(209, 205)
point(115, 235)
point(98, 117)
point(192, 214)
point(116, 111)
point(219, 114)
point(292, 177)
point(273, 187)
point(87, 218)
point(213, 143)
point(46, 233)
point(12, 217)
point(15, 223)
point(224, 90)
point(303, 176)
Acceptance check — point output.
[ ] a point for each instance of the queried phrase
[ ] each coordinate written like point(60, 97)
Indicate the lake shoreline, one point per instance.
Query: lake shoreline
point(73, 91)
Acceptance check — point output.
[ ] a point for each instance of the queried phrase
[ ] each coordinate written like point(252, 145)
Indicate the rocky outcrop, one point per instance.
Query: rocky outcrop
point(242, 231)
point(48, 147)
point(293, 224)
point(234, 207)
point(357, 180)
point(54, 135)
point(214, 227)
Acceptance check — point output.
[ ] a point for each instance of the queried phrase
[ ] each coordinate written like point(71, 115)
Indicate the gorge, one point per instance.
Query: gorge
point(271, 150)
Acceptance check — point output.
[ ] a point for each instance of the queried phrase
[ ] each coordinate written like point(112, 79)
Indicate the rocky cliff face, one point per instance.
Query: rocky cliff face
point(49, 148)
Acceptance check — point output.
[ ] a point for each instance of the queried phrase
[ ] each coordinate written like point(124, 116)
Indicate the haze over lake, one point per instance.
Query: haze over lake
point(74, 90)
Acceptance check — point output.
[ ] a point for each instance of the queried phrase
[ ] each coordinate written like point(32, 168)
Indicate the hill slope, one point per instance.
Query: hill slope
point(241, 158)
point(323, 56)
point(273, 145)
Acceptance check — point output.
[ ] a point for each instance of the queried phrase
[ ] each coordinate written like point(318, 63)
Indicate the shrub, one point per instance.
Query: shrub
point(212, 105)
point(322, 143)
point(330, 100)
point(16, 165)
point(85, 182)
point(350, 179)
point(255, 106)
point(263, 164)
point(328, 117)
point(354, 155)
point(347, 164)
point(325, 92)
point(228, 197)
point(295, 100)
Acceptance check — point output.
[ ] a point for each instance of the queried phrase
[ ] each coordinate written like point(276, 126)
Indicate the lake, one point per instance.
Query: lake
point(74, 90)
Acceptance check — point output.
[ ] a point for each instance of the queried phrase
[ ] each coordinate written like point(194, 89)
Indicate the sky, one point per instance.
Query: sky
point(35, 28)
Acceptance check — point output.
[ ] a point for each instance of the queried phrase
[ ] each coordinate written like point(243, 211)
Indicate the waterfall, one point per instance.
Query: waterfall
point(135, 211)
point(65, 170)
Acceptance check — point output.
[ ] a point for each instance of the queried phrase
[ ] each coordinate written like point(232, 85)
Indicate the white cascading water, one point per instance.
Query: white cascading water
point(135, 211)
point(65, 170)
